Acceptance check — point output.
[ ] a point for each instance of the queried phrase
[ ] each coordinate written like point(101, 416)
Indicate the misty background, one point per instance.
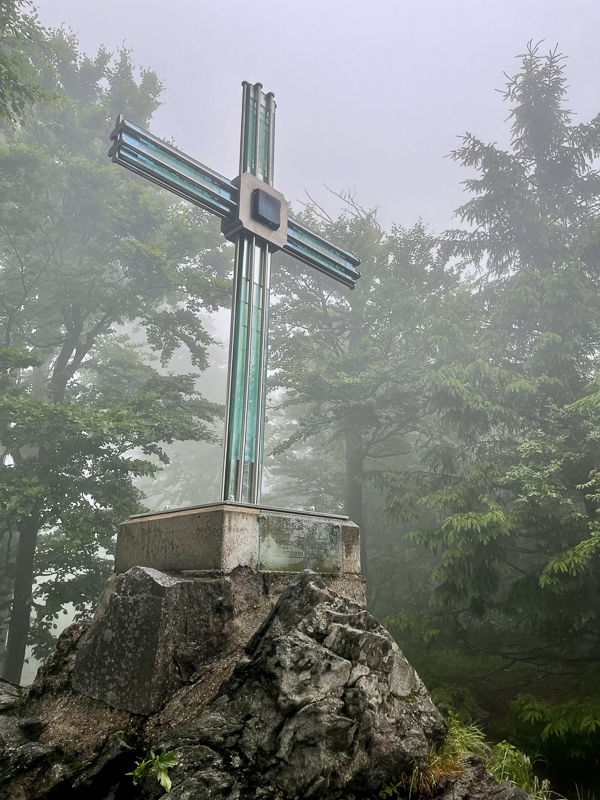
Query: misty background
point(370, 95)
point(371, 99)
point(450, 405)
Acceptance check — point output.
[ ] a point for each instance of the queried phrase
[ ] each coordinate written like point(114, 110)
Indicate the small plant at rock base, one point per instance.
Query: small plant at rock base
point(160, 764)
point(506, 763)
point(444, 760)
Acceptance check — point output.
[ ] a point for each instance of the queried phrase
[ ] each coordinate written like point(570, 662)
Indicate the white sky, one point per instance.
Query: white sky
point(371, 95)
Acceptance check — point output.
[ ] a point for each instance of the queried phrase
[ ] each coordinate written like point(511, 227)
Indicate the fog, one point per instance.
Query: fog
point(371, 96)
point(449, 405)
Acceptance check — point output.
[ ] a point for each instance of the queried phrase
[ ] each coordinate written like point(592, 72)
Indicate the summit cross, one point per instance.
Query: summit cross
point(254, 216)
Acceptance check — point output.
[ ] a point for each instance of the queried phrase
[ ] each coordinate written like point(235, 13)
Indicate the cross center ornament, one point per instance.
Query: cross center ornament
point(254, 216)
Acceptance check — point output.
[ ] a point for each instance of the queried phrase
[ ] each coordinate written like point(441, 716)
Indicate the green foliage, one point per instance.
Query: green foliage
point(160, 765)
point(455, 415)
point(503, 760)
point(348, 365)
point(103, 280)
point(504, 493)
point(574, 724)
point(445, 759)
point(464, 738)
point(19, 33)
point(506, 763)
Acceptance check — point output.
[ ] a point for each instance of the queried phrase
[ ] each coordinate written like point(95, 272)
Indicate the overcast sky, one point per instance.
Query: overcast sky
point(370, 95)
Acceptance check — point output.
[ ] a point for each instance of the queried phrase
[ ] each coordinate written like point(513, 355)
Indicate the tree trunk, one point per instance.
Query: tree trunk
point(8, 549)
point(355, 457)
point(18, 629)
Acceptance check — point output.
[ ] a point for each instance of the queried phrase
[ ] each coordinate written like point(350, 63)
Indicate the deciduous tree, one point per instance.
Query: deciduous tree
point(351, 361)
point(86, 252)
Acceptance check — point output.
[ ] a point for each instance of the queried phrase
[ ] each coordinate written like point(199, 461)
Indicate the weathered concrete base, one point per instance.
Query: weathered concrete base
point(224, 536)
point(154, 631)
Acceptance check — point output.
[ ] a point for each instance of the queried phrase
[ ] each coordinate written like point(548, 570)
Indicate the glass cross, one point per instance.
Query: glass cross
point(254, 216)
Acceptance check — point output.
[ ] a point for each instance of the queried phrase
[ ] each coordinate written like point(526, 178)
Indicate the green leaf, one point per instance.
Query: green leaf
point(167, 760)
point(163, 778)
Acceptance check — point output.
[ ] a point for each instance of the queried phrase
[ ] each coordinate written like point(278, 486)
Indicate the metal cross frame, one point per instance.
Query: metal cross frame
point(255, 217)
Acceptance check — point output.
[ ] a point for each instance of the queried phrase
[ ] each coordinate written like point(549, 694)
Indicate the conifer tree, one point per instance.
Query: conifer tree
point(507, 489)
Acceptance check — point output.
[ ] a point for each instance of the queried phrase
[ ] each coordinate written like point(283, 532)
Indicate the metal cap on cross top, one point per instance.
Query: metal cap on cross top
point(256, 217)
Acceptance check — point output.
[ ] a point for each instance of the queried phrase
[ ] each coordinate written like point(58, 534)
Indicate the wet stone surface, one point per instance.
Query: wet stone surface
point(323, 701)
point(9, 695)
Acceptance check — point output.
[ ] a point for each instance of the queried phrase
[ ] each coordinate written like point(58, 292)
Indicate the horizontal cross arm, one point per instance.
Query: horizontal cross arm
point(325, 257)
point(150, 157)
point(165, 165)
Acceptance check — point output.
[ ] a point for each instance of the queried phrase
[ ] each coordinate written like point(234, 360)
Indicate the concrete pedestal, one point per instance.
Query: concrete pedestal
point(224, 536)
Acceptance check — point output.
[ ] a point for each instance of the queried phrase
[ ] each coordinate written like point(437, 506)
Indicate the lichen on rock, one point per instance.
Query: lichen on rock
point(323, 701)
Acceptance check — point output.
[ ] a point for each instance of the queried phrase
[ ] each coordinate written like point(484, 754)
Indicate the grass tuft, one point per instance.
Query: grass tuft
point(506, 763)
point(444, 760)
point(503, 760)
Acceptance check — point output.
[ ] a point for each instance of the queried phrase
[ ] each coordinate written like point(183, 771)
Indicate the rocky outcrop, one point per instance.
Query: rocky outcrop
point(9, 695)
point(324, 701)
point(24, 760)
point(154, 631)
point(56, 743)
point(319, 703)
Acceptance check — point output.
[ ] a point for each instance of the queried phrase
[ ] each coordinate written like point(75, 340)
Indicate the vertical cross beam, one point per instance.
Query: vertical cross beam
point(256, 218)
point(245, 415)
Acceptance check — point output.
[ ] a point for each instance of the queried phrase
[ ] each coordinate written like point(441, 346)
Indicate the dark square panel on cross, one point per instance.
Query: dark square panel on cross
point(266, 209)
